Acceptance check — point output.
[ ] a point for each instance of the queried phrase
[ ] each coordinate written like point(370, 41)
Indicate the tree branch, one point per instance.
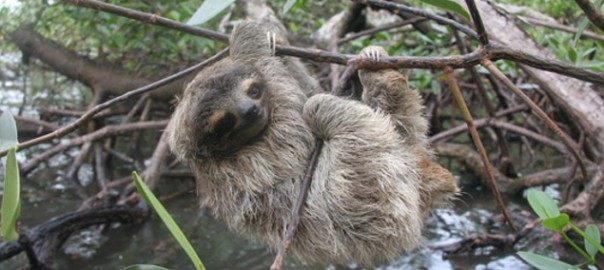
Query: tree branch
point(592, 12)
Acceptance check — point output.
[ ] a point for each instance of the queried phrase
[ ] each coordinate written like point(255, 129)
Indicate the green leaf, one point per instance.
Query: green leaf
point(543, 204)
point(167, 219)
point(288, 5)
point(588, 238)
point(572, 54)
point(8, 131)
point(544, 263)
point(556, 223)
point(208, 10)
point(11, 202)
point(594, 233)
point(449, 5)
point(145, 267)
point(580, 30)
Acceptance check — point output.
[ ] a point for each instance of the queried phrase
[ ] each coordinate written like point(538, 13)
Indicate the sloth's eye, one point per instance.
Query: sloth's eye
point(254, 91)
point(223, 123)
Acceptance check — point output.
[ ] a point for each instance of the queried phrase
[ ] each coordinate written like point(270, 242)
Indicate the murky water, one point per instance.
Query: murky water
point(47, 194)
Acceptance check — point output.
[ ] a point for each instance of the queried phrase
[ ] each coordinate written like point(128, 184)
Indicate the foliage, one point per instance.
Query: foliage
point(11, 201)
point(168, 220)
point(208, 10)
point(449, 5)
point(545, 207)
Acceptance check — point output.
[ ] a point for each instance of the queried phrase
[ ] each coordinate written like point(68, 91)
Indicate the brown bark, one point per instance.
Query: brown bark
point(99, 76)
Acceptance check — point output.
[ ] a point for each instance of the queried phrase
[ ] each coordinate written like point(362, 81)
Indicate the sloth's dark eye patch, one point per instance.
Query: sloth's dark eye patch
point(253, 88)
point(255, 91)
point(222, 122)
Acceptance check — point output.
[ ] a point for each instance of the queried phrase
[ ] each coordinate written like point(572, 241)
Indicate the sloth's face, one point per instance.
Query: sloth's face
point(231, 110)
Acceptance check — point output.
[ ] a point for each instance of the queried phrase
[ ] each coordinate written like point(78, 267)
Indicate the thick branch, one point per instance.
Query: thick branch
point(592, 12)
point(76, 67)
point(48, 236)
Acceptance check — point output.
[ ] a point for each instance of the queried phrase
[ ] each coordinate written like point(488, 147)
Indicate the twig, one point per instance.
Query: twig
point(556, 26)
point(482, 33)
point(380, 29)
point(149, 18)
point(420, 12)
point(540, 113)
point(476, 138)
point(103, 132)
point(490, 122)
point(293, 224)
point(89, 114)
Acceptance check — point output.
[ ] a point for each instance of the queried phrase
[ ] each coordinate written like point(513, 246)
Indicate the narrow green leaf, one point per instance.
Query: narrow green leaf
point(208, 10)
point(167, 219)
point(449, 5)
point(580, 29)
point(593, 242)
point(8, 131)
point(544, 263)
point(572, 54)
point(556, 223)
point(288, 5)
point(594, 233)
point(145, 267)
point(11, 207)
point(543, 205)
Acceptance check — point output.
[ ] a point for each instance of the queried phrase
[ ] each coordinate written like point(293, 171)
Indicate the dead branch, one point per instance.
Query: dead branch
point(47, 237)
point(471, 159)
point(101, 133)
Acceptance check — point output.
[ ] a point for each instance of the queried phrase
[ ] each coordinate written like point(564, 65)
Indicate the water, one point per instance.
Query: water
point(47, 194)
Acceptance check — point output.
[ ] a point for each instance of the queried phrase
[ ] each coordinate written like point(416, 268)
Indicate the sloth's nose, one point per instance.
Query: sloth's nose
point(250, 109)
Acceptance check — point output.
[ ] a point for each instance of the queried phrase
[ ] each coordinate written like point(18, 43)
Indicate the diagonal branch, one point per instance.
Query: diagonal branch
point(592, 12)
point(478, 143)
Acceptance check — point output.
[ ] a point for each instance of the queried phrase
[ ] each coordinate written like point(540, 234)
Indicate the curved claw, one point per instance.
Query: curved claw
point(373, 52)
point(272, 42)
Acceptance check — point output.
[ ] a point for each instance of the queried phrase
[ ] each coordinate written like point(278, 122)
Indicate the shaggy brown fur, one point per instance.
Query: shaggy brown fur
point(373, 182)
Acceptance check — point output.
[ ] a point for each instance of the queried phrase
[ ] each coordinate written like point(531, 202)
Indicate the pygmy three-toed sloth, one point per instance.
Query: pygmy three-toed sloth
point(247, 129)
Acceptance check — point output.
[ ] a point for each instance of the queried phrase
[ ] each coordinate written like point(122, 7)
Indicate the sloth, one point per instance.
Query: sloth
point(247, 128)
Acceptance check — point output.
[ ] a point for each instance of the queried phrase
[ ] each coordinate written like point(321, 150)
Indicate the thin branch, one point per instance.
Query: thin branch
point(139, 91)
point(293, 224)
point(592, 12)
point(482, 33)
point(478, 143)
point(149, 18)
point(561, 27)
point(386, 27)
point(538, 111)
point(103, 132)
point(420, 12)
point(493, 51)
